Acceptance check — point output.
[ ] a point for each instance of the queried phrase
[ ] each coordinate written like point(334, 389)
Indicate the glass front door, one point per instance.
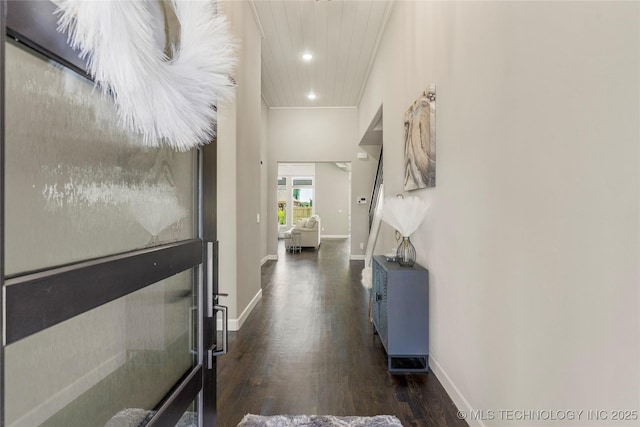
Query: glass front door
point(103, 261)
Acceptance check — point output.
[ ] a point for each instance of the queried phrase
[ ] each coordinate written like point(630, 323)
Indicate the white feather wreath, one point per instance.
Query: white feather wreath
point(167, 100)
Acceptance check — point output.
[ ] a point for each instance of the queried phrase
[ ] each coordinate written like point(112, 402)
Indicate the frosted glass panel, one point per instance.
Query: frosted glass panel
point(76, 186)
point(107, 366)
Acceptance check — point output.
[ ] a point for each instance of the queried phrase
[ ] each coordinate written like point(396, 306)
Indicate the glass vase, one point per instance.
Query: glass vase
point(406, 253)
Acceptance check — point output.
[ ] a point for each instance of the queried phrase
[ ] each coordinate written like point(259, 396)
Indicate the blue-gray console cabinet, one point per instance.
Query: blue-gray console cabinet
point(401, 314)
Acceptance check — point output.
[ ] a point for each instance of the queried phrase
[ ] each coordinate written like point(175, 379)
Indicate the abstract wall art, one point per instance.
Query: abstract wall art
point(420, 142)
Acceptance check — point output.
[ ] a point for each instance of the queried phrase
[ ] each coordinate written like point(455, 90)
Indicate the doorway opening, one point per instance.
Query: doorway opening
point(320, 188)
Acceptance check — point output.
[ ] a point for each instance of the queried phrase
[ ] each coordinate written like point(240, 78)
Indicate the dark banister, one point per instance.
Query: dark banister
point(376, 190)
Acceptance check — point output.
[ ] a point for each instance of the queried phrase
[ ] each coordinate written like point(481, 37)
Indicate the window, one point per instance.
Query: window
point(302, 198)
point(282, 201)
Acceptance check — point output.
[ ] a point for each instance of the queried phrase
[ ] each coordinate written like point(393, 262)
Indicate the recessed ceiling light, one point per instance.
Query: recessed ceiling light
point(307, 56)
point(311, 96)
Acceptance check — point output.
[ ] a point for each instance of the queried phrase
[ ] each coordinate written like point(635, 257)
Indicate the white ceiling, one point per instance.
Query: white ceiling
point(342, 35)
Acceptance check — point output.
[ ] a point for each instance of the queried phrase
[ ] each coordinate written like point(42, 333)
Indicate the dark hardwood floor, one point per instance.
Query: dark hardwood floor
point(308, 348)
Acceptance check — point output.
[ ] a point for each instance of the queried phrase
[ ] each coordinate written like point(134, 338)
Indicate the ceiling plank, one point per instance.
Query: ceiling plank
point(356, 52)
point(347, 27)
point(306, 10)
point(271, 20)
point(321, 25)
point(374, 29)
point(334, 28)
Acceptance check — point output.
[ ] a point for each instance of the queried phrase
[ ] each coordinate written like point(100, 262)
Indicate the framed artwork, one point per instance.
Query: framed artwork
point(420, 142)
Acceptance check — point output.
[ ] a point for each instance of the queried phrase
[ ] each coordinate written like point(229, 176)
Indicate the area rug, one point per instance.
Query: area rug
point(141, 417)
point(251, 420)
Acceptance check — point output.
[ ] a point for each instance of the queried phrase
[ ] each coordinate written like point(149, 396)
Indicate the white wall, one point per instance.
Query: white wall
point(532, 240)
point(332, 202)
point(319, 135)
point(239, 172)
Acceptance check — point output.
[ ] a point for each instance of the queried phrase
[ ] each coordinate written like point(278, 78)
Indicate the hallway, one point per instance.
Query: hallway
point(308, 348)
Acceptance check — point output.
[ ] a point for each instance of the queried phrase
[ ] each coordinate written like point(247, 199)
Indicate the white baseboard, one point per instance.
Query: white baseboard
point(334, 236)
point(458, 399)
point(357, 258)
point(268, 258)
point(236, 324)
point(68, 394)
point(246, 312)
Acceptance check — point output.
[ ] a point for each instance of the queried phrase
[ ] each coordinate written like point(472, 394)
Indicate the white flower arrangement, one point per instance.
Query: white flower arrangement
point(404, 214)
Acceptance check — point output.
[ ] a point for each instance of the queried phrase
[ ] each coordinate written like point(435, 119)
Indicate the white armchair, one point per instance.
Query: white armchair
point(309, 230)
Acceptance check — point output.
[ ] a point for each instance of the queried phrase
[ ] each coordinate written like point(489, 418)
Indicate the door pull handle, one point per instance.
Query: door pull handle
point(216, 350)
